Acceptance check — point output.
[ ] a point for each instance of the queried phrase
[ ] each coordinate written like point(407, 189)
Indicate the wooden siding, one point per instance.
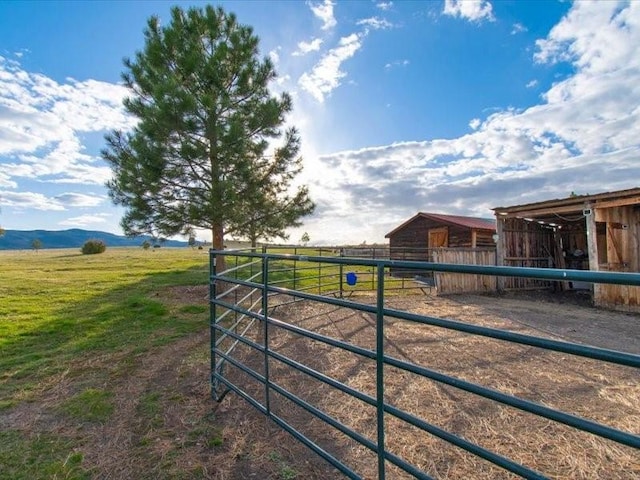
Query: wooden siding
point(620, 236)
point(416, 235)
point(448, 283)
point(613, 244)
point(527, 244)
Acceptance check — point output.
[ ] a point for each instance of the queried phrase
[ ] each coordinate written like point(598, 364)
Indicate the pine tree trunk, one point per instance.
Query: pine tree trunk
point(218, 244)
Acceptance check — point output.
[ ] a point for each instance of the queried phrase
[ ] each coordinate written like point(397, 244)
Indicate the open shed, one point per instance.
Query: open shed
point(586, 232)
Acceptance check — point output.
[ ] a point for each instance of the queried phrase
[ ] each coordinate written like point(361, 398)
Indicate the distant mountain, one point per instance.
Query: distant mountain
point(73, 238)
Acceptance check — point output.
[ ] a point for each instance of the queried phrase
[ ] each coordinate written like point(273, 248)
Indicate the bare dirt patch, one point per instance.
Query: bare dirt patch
point(590, 389)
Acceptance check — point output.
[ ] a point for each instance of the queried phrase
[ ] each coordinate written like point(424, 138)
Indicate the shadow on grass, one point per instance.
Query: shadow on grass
point(127, 318)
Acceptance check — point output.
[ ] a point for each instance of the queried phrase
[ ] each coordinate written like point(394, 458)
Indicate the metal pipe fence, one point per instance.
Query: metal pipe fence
point(258, 294)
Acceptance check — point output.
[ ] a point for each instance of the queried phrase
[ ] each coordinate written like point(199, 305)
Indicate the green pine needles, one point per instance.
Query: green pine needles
point(209, 149)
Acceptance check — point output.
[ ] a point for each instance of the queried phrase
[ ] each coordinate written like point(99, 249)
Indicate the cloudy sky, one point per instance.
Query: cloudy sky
point(450, 107)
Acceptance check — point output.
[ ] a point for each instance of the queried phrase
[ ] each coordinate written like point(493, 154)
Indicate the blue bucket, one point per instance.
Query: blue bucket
point(352, 278)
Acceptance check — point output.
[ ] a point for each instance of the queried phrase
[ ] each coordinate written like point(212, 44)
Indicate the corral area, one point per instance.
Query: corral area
point(605, 393)
point(104, 374)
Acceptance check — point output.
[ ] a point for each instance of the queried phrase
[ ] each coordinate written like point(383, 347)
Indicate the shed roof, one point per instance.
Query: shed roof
point(469, 222)
point(572, 204)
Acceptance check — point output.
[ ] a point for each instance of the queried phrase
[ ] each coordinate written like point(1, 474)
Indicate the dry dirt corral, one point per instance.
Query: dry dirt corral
point(595, 390)
point(165, 426)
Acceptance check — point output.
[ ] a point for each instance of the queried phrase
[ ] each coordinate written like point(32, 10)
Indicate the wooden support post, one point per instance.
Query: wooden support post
point(500, 251)
point(592, 248)
point(592, 238)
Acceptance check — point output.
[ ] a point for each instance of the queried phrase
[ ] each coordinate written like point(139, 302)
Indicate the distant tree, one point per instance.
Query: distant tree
point(93, 247)
point(192, 241)
point(36, 244)
point(2, 232)
point(271, 210)
point(305, 238)
point(206, 119)
point(146, 245)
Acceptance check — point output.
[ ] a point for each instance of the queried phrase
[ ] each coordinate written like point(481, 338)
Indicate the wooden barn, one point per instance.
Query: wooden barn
point(437, 237)
point(436, 230)
point(586, 232)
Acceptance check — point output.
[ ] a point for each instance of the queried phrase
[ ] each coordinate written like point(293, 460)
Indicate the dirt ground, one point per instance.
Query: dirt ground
point(184, 434)
point(601, 392)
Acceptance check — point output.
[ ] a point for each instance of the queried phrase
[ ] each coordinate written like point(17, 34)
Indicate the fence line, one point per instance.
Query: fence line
point(278, 276)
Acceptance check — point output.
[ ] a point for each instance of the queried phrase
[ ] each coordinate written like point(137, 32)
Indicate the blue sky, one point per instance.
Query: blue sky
point(450, 107)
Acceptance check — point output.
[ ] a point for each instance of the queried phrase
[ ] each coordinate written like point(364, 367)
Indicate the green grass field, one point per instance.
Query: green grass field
point(59, 311)
point(112, 344)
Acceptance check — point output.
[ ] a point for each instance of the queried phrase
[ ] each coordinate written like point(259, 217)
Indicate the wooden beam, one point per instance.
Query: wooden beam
point(592, 250)
point(474, 238)
point(620, 202)
point(500, 251)
point(575, 208)
point(592, 241)
point(614, 241)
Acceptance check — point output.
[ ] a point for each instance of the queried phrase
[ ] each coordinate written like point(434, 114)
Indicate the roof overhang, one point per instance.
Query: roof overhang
point(550, 209)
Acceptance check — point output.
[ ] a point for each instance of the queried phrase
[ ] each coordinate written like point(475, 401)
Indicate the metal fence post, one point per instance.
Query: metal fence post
point(341, 270)
point(212, 320)
point(265, 313)
point(380, 370)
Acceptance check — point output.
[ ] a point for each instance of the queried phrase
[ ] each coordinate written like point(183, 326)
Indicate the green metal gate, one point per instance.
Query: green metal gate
point(243, 299)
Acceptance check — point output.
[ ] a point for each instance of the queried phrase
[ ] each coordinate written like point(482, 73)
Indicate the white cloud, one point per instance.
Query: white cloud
point(274, 55)
point(472, 10)
point(324, 11)
point(596, 38)
point(79, 199)
point(397, 63)
point(29, 200)
point(384, 5)
point(306, 47)
point(376, 23)
point(5, 182)
point(41, 122)
point(532, 83)
point(584, 135)
point(518, 28)
point(84, 221)
point(326, 74)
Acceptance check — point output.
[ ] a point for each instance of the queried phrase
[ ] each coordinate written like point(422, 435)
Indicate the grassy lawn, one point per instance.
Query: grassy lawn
point(67, 315)
point(96, 350)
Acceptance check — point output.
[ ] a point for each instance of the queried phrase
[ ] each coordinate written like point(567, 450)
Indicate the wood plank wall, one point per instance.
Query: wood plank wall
point(448, 283)
point(527, 244)
point(622, 241)
point(416, 233)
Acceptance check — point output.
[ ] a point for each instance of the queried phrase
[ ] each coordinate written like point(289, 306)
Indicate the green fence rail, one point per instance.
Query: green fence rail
point(243, 296)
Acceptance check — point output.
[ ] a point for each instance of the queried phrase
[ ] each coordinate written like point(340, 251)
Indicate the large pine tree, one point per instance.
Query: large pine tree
point(201, 154)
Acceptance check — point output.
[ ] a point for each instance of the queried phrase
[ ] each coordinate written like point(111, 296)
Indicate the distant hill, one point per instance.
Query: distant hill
point(73, 238)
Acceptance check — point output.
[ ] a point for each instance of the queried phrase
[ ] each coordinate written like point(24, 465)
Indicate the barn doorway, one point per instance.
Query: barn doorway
point(438, 237)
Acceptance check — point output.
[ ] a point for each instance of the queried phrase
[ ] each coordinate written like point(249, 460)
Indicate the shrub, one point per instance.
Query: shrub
point(91, 247)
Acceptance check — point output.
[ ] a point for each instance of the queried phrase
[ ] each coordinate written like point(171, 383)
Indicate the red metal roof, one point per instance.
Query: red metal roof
point(469, 222)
